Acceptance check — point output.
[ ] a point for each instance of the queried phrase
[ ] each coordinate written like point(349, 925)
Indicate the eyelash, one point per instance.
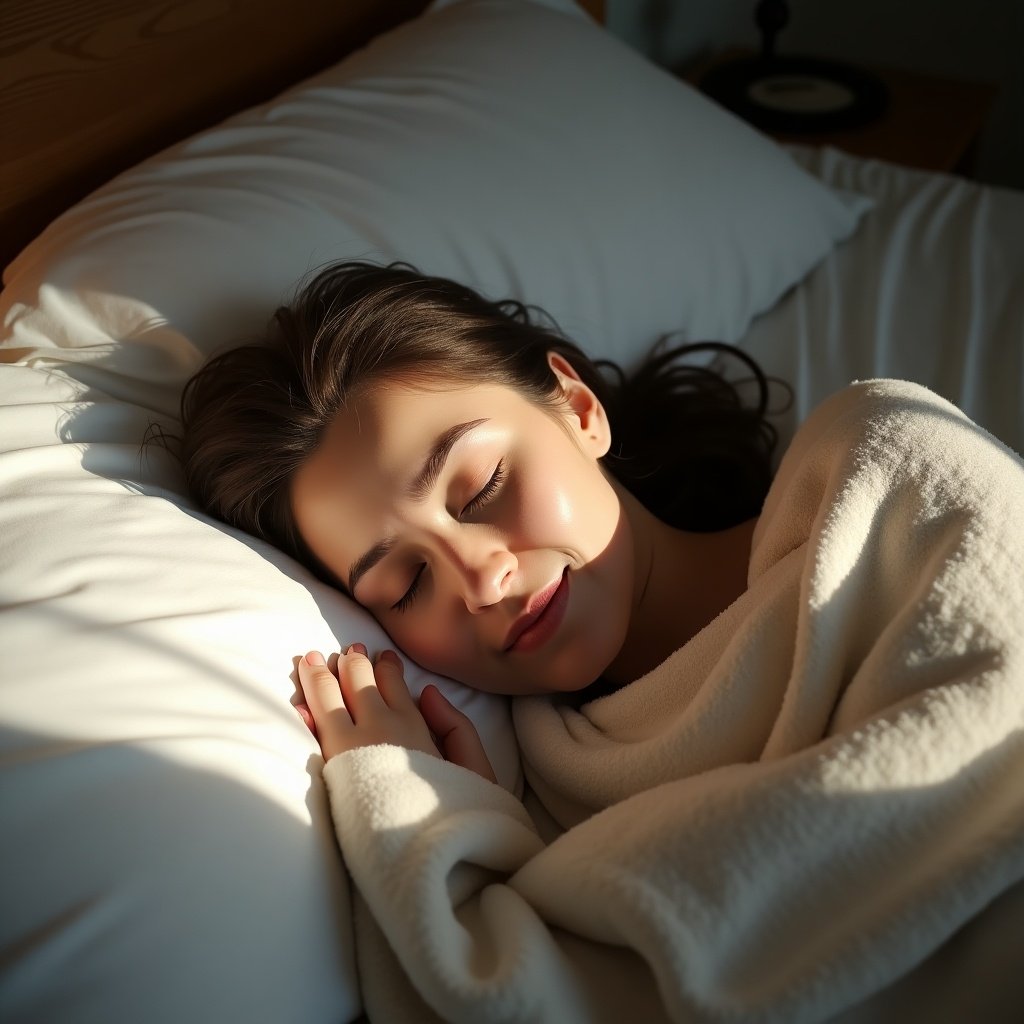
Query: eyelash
point(481, 498)
point(488, 490)
point(410, 595)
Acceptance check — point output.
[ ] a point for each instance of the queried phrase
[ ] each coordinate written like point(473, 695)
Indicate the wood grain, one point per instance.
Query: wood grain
point(88, 89)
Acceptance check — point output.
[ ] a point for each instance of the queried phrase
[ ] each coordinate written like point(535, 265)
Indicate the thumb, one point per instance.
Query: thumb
point(456, 735)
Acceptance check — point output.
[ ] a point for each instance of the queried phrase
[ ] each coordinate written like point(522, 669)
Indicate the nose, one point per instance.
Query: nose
point(483, 567)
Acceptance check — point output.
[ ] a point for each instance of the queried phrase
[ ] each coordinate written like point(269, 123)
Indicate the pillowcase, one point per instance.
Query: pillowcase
point(168, 851)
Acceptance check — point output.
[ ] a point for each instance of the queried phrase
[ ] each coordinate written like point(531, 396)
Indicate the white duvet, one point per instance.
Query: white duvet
point(794, 811)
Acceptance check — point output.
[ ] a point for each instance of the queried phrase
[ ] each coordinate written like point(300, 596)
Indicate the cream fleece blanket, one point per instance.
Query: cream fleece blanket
point(789, 814)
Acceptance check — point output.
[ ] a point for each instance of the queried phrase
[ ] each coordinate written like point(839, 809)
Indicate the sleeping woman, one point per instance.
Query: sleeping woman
point(770, 728)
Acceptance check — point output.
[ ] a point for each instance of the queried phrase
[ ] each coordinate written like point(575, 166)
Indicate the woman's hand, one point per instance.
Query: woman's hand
point(368, 703)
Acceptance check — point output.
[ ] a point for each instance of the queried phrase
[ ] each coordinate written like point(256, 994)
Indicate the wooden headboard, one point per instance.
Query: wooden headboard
point(90, 87)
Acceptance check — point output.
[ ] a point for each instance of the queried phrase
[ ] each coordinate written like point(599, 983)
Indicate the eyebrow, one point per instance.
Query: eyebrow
point(421, 486)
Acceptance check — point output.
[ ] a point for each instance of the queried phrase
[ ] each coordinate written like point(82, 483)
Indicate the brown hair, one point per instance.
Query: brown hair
point(684, 441)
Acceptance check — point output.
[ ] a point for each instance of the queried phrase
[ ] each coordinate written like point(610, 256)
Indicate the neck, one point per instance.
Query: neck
point(682, 581)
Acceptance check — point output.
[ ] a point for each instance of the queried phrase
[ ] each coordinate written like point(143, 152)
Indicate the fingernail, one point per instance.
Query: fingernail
point(356, 648)
point(314, 658)
point(387, 655)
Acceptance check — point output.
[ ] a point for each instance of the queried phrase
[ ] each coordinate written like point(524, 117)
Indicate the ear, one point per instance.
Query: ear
point(587, 417)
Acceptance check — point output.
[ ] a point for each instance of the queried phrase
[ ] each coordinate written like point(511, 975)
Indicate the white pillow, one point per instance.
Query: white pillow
point(168, 852)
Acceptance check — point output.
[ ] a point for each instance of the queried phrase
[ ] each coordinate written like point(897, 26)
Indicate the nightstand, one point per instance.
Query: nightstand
point(930, 122)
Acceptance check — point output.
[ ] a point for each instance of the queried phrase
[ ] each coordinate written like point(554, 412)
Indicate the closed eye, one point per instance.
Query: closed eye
point(410, 595)
point(484, 495)
point(488, 490)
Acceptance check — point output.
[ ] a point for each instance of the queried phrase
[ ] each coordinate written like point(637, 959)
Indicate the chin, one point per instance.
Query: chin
point(577, 684)
point(579, 673)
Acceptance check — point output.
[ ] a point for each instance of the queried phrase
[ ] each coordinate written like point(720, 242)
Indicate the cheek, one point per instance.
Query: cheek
point(430, 643)
point(570, 501)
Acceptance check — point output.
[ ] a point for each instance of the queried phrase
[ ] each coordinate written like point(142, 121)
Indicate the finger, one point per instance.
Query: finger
point(319, 686)
point(456, 734)
point(391, 683)
point(331, 719)
point(358, 683)
point(307, 717)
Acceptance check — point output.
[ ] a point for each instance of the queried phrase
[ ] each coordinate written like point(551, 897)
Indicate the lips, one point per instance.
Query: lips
point(543, 616)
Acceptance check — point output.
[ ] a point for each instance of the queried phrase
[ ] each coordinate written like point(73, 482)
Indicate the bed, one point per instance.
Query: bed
point(167, 850)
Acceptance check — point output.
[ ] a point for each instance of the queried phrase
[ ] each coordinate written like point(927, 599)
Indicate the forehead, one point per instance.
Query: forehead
point(391, 424)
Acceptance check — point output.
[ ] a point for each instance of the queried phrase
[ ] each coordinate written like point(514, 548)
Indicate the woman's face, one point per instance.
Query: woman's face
point(480, 532)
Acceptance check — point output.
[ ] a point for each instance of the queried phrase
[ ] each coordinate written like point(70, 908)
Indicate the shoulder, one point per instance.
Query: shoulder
point(899, 431)
point(873, 404)
point(882, 418)
point(886, 446)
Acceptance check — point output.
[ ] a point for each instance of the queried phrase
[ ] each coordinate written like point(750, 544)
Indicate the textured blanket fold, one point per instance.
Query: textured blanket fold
point(787, 816)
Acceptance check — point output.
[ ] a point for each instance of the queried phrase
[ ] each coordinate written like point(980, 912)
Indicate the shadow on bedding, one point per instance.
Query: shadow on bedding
point(137, 887)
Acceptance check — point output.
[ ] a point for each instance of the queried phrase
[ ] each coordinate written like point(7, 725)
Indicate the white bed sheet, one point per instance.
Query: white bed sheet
point(930, 288)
